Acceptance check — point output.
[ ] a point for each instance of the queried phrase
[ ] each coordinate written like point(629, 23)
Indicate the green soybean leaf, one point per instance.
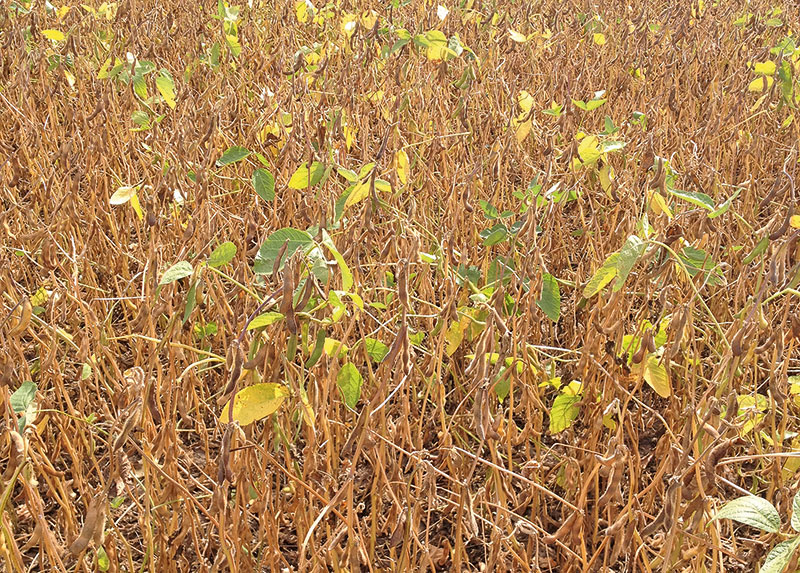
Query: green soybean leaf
point(23, 396)
point(628, 255)
point(349, 381)
point(699, 199)
point(166, 87)
point(376, 349)
point(232, 155)
point(602, 276)
point(179, 270)
point(753, 511)
point(264, 319)
point(268, 252)
point(564, 412)
point(796, 512)
point(780, 556)
point(264, 184)
point(222, 255)
point(550, 301)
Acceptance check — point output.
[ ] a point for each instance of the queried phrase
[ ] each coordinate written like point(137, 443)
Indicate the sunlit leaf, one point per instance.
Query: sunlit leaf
point(550, 301)
point(123, 194)
point(599, 39)
point(349, 381)
point(179, 270)
point(265, 319)
point(304, 177)
point(268, 252)
point(254, 403)
point(401, 166)
point(760, 84)
point(166, 87)
point(56, 35)
point(780, 556)
point(222, 255)
point(602, 276)
point(655, 374)
point(753, 511)
point(264, 184)
point(564, 412)
point(375, 349)
point(588, 149)
point(516, 36)
point(232, 155)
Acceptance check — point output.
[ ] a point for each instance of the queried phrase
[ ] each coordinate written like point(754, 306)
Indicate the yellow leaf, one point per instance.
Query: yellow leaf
point(794, 221)
point(137, 207)
point(61, 12)
point(760, 84)
point(401, 165)
point(454, 336)
point(334, 348)
point(588, 149)
point(348, 24)
point(525, 101)
point(606, 175)
point(359, 192)
point(368, 19)
point(523, 129)
point(56, 35)
point(516, 36)
point(255, 402)
point(656, 376)
point(659, 205)
point(787, 122)
point(599, 39)
point(301, 11)
point(123, 195)
point(765, 68)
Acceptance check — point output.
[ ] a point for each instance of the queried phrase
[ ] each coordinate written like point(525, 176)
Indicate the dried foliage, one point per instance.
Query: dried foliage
point(511, 339)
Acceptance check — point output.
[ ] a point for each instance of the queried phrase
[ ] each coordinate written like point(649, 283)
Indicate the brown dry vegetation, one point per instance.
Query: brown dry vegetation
point(123, 446)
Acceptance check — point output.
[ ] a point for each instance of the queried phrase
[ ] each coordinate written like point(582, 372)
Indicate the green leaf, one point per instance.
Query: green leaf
point(590, 105)
point(191, 301)
point(232, 155)
point(349, 381)
point(602, 276)
point(255, 402)
point(753, 511)
point(628, 255)
point(166, 87)
point(179, 270)
point(564, 412)
point(305, 177)
point(503, 385)
point(376, 349)
point(264, 319)
point(550, 301)
point(699, 199)
point(780, 556)
point(264, 184)
point(796, 512)
point(268, 252)
point(222, 255)
point(140, 87)
point(722, 209)
point(696, 261)
point(23, 396)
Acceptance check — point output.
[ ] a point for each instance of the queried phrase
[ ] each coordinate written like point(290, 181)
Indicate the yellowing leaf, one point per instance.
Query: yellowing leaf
point(525, 101)
point(589, 150)
point(308, 411)
point(606, 175)
point(368, 19)
point(523, 129)
point(599, 39)
point(348, 24)
point(334, 348)
point(56, 35)
point(656, 376)
point(659, 205)
point(794, 221)
point(401, 165)
point(123, 195)
point(760, 84)
point(255, 402)
point(765, 68)
point(301, 11)
point(455, 334)
point(166, 87)
point(516, 36)
point(137, 207)
point(359, 192)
